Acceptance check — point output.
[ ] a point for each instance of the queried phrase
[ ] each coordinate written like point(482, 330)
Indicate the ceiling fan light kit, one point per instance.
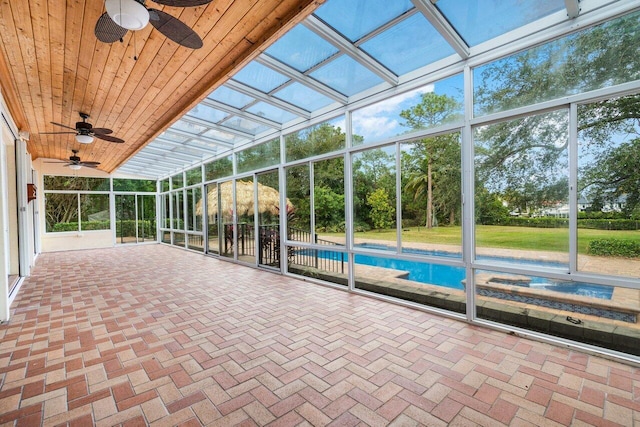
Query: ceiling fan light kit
point(84, 139)
point(128, 14)
point(124, 15)
point(85, 132)
point(75, 163)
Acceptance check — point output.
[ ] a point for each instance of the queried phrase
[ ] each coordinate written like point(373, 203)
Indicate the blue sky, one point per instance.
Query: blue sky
point(382, 120)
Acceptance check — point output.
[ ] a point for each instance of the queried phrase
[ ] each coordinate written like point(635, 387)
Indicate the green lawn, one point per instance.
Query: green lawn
point(495, 236)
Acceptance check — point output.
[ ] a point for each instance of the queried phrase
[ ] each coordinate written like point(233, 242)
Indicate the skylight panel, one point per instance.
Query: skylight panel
point(188, 127)
point(157, 144)
point(479, 21)
point(231, 97)
point(173, 137)
point(260, 77)
point(245, 125)
point(356, 18)
point(207, 113)
point(224, 136)
point(408, 45)
point(303, 97)
point(301, 49)
point(221, 136)
point(196, 151)
point(346, 76)
point(271, 112)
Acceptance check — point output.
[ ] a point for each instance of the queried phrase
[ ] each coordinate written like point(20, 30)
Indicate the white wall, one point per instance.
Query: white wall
point(55, 242)
point(68, 241)
point(9, 254)
point(12, 202)
point(5, 253)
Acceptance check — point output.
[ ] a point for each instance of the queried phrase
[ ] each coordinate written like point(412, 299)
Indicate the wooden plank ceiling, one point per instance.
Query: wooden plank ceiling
point(53, 67)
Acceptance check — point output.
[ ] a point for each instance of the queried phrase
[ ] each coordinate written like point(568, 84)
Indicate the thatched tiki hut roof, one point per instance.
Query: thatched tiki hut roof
point(268, 199)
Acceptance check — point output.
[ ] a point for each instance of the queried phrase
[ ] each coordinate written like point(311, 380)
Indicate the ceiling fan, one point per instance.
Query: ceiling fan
point(124, 15)
point(85, 132)
point(75, 163)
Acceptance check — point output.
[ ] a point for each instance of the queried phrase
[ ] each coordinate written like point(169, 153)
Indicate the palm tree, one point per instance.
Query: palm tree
point(435, 152)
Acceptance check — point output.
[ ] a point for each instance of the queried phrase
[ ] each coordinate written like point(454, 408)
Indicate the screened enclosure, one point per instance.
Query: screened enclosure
point(417, 154)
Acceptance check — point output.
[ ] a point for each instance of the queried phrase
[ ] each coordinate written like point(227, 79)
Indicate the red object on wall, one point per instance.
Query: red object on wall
point(31, 192)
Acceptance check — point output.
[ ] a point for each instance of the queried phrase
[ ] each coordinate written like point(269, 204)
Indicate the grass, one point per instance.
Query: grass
point(495, 236)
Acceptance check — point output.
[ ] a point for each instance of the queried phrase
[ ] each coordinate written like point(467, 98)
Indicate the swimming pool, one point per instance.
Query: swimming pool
point(452, 277)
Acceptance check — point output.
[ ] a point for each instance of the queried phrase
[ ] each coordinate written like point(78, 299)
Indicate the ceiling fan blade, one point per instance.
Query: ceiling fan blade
point(55, 161)
point(108, 31)
point(174, 29)
point(89, 164)
point(57, 133)
point(61, 125)
point(183, 3)
point(109, 138)
point(102, 131)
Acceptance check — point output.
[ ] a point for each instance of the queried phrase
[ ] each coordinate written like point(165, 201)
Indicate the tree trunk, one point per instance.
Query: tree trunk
point(452, 217)
point(429, 196)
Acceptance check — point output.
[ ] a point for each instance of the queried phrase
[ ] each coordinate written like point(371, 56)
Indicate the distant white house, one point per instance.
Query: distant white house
point(561, 209)
point(583, 204)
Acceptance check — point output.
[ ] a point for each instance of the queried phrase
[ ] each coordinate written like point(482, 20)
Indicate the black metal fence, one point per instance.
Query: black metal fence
point(321, 259)
point(246, 240)
point(268, 252)
point(269, 245)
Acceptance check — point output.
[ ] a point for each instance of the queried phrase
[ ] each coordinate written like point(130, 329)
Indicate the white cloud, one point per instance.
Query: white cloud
point(380, 120)
point(339, 123)
point(392, 104)
point(374, 126)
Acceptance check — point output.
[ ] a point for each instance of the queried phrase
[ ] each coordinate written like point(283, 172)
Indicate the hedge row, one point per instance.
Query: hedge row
point(609, 224)
point(615, 247)
point(86, 225)
point(604, 215)
point(128, 227)
point(548, 222)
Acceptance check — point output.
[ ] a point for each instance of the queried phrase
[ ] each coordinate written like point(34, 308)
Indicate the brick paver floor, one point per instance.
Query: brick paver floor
point(156, 335)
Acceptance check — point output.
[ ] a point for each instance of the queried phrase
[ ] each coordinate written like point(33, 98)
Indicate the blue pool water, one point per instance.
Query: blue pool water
point(452, 277)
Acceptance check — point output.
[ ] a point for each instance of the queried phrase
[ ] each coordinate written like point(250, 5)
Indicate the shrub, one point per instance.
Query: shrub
point(552, 222)
point(360, 226)
point(65, 226)
point(127, 227)
point(541, 222)
point(86, 226)
point(614, 247)
point(609, 224)
point(382, 212)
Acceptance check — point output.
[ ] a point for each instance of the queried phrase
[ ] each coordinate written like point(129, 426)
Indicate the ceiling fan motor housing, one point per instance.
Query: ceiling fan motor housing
point(83, 127)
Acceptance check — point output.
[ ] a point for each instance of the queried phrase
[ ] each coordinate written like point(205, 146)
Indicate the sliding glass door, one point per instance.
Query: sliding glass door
point(233, 207)
point(213, 219)
point(220, 219)
point(268, 219)
point(135, 218)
